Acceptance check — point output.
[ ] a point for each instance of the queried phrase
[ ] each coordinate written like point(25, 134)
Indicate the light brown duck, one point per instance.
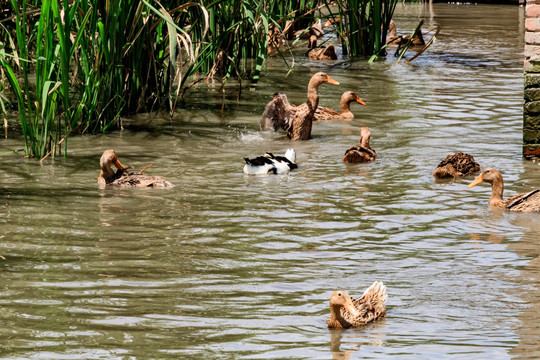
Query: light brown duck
point(361, 152)
point(348, 313)
point(322, 52)
point(296, 120)
point(456, 165)
point(121, 178)
point(528, 202)
point(326, 114)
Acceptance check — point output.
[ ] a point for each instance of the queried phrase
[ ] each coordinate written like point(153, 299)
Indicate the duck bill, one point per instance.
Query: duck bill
point(332, 81)
point(119, 165)
point(360, 101)
point(476, 181)
point(351, 308)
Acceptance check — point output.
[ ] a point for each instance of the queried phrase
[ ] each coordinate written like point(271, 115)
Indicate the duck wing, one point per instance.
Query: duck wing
point(528, 202)
point(359, 153)
point(279, 113)
point(372, 305)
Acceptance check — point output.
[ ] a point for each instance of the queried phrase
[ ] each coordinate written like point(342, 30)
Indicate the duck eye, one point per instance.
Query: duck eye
point(338, 294)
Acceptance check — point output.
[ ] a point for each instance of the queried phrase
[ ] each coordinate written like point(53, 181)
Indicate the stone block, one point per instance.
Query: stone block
point(531, 66)
point(532, 24)
point(532, 38)
point(532, 107)
point(531, 94)
point(531, 136)
point(532, 52)
point(531, 122)
point(531, 150)
point(532, 80)
point(532, 10)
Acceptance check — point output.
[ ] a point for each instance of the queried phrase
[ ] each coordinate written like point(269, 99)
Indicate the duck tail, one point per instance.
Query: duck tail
point(291, 155)
point(376, 293)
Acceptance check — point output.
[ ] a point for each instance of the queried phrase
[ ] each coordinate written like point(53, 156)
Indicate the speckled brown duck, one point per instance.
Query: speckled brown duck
point(326, 114)
point(348, 313)
point(322, 52)
point(528, 202)
point(456, 165)
point(121, 178)
point(296, 120)
point(361, 152)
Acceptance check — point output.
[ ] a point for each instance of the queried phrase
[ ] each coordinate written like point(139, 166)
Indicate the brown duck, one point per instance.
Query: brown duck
point(529, 202)
point(320, 53)
point(347, 313)
point(325, 114)
point(400, 40)
point(456, 165)
point(122, 178)
point(296, 120)
point(361, 152)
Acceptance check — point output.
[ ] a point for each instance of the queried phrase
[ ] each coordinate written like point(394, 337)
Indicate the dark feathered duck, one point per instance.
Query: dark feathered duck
point(120, 177)
point(361, 152)
point(271, 164)
point(456, 165)
point(326, 114)
point(322, 52)
point(296, 120)
point(528, 202)
point(348, 313)
point(400, 40)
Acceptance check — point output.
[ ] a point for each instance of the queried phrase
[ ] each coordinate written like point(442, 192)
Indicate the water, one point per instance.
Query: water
point(227, 266)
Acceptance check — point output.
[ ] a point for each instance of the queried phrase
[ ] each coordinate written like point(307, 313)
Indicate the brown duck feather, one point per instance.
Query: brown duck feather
point(361, 152)
point(325, 114)
point(295, 120)
point(456, 165)
point(348, 313)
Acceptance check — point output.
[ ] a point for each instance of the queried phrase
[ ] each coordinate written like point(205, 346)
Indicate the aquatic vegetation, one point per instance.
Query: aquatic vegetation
point(76, 67)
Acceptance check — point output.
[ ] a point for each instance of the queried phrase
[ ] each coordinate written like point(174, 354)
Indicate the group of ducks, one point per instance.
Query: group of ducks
point(345, 312)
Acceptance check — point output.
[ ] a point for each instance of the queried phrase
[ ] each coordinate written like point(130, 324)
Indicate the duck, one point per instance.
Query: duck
point(325, 114)
point(456, 165)
point(400, 40)
point(271, 164)
point(348, 313)
point(361, 152)
point(121, 178)
point(320, 53)
point(296, 120)
point(528, 202)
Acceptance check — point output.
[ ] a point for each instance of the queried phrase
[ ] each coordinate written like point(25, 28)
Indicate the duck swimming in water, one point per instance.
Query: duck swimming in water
point(120, 177)
point(296, 120)
point(320, 53)
point(361, 152)
point(325, 114)
point(348, 313)
point(271, 164)
point(528, 202)
point(456, 165)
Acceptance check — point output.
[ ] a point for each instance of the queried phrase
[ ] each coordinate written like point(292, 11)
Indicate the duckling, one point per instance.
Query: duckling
point(347, 313)
point(271, 164)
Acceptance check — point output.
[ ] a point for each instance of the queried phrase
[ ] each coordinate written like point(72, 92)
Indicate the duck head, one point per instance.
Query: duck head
point(341, 299)
point(365, 136)
point(349, 97)
point(108, 159)
point(489, 175)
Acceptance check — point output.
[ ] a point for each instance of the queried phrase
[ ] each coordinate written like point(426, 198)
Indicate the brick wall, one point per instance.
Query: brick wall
point(531, 109)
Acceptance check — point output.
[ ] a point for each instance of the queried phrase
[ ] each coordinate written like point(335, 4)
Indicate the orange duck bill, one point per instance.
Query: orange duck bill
point(360, 101)
point(350, 307)
point(119, 165)
point(476, 181)
point(332, 81)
